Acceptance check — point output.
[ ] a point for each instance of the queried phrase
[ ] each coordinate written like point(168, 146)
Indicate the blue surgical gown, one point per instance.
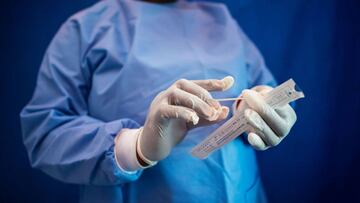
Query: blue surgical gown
point(99, 75)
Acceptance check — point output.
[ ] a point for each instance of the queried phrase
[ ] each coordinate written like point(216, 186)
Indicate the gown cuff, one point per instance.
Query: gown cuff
point(125, 150)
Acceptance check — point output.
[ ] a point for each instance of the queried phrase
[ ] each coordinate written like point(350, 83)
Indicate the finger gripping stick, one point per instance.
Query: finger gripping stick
point(235, 126)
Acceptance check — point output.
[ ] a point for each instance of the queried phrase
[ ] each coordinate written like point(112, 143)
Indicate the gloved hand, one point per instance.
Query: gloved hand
point(184, 105)
point(269, 126)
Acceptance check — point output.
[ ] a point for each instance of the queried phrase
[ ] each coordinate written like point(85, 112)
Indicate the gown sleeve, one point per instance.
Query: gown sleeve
point(259, 74)
point(61, 138)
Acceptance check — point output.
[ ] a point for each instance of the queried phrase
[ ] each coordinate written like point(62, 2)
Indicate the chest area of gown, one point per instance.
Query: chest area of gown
point(166, 47)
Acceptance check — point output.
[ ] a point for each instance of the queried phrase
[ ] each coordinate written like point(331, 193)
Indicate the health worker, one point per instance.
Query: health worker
point(127, 88)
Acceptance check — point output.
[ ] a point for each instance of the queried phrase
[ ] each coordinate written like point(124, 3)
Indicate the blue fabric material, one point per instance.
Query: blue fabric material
point(100, 74)
point(318, 44)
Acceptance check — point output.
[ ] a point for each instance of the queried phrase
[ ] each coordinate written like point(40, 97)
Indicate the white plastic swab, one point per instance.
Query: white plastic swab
point(229, 99)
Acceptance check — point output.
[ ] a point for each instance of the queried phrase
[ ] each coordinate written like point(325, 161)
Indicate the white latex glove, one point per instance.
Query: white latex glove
point(173, 112)
point(269, 126)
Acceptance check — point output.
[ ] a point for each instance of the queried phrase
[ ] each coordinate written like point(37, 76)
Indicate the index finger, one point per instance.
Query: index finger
point(215, 84)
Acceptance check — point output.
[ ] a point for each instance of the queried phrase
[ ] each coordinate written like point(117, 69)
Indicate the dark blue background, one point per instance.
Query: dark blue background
point(315, 42)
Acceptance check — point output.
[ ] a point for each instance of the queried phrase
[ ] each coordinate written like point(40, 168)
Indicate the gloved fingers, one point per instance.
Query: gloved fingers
point(271, 117)
point(215, 84)
point(182, 98)
point(193, 88)
point(260, 127)
point(239, 106)
point(256, 142)
point(262, 89)
point(288, 114)
point(224, 114)
point(178, 112)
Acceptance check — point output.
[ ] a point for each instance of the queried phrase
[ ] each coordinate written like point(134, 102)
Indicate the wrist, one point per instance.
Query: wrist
point(125, 151)
point(144, 162)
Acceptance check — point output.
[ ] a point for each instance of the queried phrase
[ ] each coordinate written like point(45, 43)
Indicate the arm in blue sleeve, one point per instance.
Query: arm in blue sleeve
point(259, 74)
point(61, 138)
